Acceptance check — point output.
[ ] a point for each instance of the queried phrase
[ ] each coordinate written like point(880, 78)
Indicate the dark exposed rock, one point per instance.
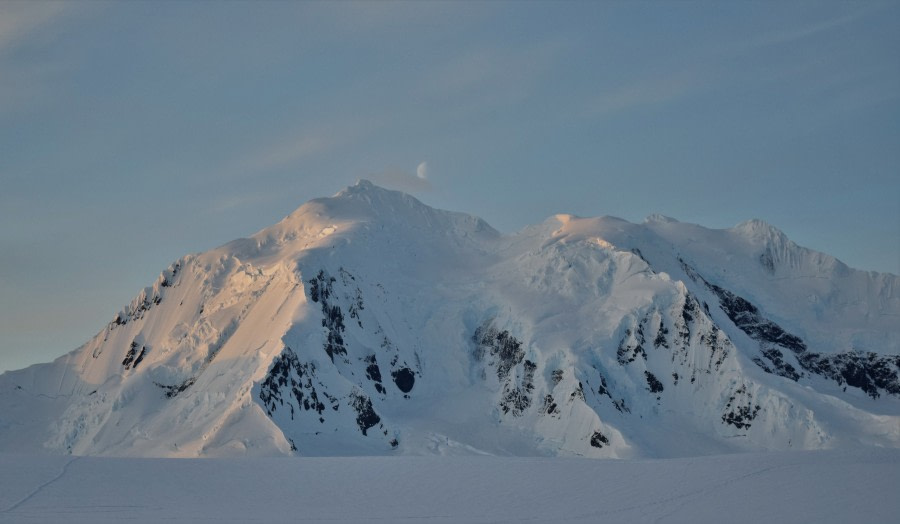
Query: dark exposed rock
point(690, 272)
point(620, 406)
point(578, 393)
point(129, 356)
point(631, 346)
point(557, 376)
point(320, 287)
point(168, 276)
point(373, 372)
point(517, 398)
point(404, 378)
point(653, 383)
point(749, 320)
point(740, 411)
point(334, 322)
point(718, 347)
point(684, 321)
point(366, 418)
point(136, 311)
point(140, 357)
point(549, 407)
point(867, 371)
point(173, 391)
point(598, 440)
point(660, 340)
point(603, 389)
point(134, 355)
point(688, 310)
point(778, 365)
point(514, 401)
point(356, 304)
point(321, 290)
point(502, 347)
point(864, 370)
point(287, 379)
point(505, 353)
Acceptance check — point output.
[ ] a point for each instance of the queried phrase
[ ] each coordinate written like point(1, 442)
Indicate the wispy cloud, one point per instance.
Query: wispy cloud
point(21, 20)
point(494, 73)
point(374, 19)
point(644, 92)
point(230, 202)
point(25, 81)
point(799, 33)
point(287, 151)
point(292, 148)
point(711, 68)
point(404, 180)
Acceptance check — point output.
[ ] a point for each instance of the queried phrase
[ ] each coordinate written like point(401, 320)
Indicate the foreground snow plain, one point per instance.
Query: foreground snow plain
point(814, 486)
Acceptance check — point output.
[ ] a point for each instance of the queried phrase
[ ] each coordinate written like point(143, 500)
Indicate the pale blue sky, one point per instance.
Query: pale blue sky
point(133, 133)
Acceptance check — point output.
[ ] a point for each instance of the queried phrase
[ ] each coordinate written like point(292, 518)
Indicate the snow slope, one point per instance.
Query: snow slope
point(820, 487)
point(369, 323)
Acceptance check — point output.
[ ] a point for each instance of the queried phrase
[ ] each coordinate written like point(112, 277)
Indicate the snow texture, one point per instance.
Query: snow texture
point(821, 487)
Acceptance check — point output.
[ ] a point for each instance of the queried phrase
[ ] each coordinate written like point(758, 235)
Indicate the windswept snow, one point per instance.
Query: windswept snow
point(820, 487)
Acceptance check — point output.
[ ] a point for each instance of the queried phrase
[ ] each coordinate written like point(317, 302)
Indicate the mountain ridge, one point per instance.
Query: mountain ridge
point(371, 323)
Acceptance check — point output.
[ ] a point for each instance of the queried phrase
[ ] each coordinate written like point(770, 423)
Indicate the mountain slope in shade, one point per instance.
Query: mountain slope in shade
point(370, 323)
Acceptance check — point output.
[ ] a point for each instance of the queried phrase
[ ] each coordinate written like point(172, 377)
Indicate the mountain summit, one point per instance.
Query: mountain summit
point(369, 323)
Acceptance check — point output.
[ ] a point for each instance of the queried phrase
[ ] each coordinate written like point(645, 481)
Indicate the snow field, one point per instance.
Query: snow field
point(822, 486)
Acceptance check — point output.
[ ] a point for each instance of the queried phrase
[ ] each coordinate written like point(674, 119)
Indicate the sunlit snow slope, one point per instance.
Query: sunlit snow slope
point(369, 323)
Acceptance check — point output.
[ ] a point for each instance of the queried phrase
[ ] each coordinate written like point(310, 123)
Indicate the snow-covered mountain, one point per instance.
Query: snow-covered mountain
point(369, 323)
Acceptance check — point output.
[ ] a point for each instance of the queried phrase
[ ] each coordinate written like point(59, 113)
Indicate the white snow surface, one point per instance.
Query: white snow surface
point(821, 487)
point(371, 324)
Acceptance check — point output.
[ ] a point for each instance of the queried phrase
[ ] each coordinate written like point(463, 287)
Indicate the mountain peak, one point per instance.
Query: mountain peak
point(365, 190)
point(362, 185)
point(760, 230)
point(661, 219)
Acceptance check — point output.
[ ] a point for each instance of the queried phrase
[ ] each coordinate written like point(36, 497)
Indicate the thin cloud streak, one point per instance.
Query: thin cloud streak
point(25, 81)
point(706, 71)
point(288, 151)
point(20, 20)
point(642, 93)
point(785, 37)
point(226, 203)
point(353, 19)
point(401, 180)
point(292, 148)
point(492, 73)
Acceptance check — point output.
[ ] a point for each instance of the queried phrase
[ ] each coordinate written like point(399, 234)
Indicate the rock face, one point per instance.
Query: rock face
point(369, 323)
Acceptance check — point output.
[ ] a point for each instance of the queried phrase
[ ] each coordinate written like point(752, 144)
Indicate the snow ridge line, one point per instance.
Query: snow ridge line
point(41, 487)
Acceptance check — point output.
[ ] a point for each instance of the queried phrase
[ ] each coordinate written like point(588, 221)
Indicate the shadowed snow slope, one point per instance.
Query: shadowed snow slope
point(369, 323)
